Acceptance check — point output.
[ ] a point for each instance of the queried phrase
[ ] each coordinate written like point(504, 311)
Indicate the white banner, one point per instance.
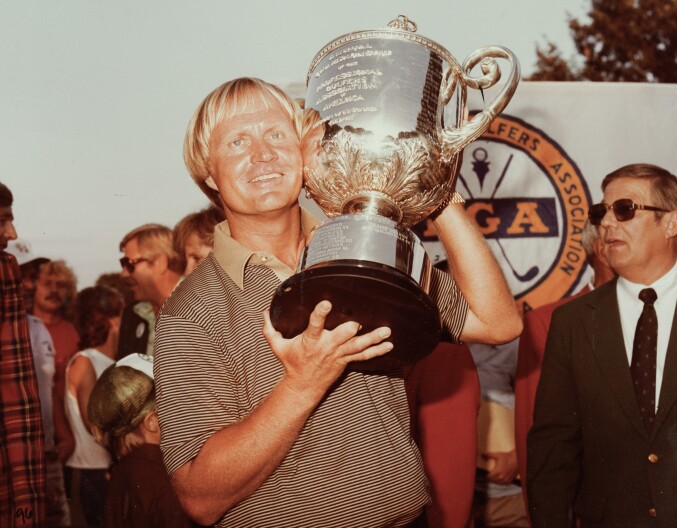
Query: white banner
point(532, 176)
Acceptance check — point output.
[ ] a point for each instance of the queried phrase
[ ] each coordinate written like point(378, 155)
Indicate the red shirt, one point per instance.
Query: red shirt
point(66, 340)
point(444, 399)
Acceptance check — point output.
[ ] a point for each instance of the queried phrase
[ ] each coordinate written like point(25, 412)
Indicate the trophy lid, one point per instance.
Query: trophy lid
point(402, 28)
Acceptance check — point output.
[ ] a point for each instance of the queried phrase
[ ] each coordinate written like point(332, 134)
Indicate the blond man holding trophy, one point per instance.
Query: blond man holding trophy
point(259, 429)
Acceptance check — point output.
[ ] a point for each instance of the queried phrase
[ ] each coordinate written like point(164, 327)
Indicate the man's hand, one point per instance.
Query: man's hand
point(505, 469)
point(314, 359)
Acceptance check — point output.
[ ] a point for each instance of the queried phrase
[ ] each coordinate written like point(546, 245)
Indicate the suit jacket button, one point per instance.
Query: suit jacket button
point(653, 458)
point(652, 512)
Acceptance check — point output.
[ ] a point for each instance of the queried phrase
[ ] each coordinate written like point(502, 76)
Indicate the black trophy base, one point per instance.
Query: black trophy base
point(371, 294)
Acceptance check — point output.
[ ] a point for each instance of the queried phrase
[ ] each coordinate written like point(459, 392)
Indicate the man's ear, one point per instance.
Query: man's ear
point(161, 263)
point(150, 422)
point(671, 224)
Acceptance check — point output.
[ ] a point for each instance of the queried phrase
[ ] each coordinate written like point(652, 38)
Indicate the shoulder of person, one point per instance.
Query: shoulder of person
point(579, 305)
point(202, 279)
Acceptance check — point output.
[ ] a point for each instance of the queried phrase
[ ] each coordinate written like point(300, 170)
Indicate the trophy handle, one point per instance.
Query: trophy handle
point(456, 139)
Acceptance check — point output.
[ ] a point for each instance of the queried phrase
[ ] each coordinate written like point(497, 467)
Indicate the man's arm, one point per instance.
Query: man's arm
point(492, 316)
point(554, 443)
point(236, 460)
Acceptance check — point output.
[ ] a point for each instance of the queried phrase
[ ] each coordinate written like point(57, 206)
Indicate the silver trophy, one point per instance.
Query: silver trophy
point(385, 124)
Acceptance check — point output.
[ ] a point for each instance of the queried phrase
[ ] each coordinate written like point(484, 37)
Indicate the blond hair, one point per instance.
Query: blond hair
point(61, 269)
point(202, 224)
point(222, 103)
point(121, 399)
point(153, 240)
point(121, 446)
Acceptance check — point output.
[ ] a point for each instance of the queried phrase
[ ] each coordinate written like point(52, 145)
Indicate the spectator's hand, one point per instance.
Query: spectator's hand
point(505, 469)
point(314, 359)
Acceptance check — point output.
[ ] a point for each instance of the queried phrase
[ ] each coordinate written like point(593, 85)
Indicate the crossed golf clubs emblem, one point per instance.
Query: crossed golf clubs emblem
point(480, 167)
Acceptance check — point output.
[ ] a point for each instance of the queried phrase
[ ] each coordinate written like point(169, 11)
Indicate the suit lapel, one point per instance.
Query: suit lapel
point(609, 350)
point(668, 393)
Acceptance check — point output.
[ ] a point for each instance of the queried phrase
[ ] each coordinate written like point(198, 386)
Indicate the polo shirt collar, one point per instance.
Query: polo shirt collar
point(233, 257)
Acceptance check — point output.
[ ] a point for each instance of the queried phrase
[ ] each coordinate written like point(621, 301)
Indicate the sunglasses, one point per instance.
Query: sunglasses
point(624, 210)
point(129, 265)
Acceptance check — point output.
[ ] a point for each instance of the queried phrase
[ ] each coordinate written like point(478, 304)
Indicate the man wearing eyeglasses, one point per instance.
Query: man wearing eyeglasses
point(153, 269)
point(603, 447)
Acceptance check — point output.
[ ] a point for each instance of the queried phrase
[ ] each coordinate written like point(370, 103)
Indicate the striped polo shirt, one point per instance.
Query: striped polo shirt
point(354, 463)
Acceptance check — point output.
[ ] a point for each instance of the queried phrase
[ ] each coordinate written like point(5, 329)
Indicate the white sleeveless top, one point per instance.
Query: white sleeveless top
point(88, 453)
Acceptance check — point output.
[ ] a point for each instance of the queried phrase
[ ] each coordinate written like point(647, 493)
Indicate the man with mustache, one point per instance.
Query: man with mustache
point(55, 289)
point(259, 430)
point(602, 447)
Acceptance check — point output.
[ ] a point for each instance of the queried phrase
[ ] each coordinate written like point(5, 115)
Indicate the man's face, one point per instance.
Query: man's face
point(255, 160)
point(7, 231)
point(195, 252)
point(640, 249)
point(142, 279)
point(51, 290)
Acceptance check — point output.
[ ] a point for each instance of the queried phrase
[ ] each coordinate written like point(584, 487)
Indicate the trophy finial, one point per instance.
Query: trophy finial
point(404, 23)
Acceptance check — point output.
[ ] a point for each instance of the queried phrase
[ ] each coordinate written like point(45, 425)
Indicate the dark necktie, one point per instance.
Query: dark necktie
point(643, 365)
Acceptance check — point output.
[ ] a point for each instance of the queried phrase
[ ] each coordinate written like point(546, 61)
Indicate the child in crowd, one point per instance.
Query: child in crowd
point(123, 414)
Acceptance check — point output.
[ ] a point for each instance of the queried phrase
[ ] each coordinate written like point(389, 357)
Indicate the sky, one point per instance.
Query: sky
point(95, 96)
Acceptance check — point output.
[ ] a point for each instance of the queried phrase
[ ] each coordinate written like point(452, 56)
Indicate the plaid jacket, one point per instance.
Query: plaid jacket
point(22, 463)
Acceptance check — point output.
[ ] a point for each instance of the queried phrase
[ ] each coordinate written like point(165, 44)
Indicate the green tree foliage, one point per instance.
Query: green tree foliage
point(621, 40)
point(550, 66)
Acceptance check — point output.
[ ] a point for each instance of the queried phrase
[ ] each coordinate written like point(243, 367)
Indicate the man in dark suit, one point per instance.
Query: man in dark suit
point(603, 447)
point(532, 344)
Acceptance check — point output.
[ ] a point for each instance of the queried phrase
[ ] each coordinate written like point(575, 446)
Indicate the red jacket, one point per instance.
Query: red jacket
point(444, 398)
point(528, 372)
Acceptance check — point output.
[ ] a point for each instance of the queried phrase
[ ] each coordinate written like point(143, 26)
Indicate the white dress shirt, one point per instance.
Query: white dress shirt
point(631, 306)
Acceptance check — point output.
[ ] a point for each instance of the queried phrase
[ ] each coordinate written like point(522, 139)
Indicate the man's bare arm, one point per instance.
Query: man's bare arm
point(493, 317)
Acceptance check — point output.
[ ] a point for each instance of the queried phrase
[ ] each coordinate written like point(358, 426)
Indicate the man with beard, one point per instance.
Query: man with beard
point(22, 471)
point(153, 269)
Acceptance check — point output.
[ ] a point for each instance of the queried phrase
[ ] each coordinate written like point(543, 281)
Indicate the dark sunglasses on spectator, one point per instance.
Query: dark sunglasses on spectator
point(130, 264)
point(624, 210)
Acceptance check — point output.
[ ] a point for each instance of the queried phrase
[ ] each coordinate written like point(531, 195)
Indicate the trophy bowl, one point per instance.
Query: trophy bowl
point(384, 128)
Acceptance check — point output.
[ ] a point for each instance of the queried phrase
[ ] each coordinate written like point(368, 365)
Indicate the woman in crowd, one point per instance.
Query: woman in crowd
point(194, 236)
point(97, 318)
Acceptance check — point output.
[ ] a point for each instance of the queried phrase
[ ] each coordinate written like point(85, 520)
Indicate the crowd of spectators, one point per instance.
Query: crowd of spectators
point(83, 407)
point(75, 337)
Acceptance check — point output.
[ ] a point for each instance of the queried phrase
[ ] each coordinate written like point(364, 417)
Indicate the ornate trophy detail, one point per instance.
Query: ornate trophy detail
point(386, 122)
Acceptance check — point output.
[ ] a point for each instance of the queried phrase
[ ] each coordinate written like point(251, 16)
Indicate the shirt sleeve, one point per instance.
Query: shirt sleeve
point(453, 307)
point(196, 393)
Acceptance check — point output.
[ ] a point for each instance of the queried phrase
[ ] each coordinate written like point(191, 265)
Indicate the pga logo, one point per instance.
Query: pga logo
point(530, 201)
